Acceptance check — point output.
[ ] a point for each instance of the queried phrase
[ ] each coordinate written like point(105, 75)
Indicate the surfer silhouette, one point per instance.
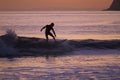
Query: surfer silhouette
point(48, 29)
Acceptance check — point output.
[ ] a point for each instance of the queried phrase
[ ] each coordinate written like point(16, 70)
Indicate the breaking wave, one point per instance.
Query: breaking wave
point(13, 46)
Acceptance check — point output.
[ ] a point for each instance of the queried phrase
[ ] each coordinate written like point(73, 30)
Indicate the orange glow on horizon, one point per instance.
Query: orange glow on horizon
point(54, 4)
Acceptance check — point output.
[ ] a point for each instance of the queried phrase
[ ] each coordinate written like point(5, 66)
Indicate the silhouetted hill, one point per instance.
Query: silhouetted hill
point(115, 6)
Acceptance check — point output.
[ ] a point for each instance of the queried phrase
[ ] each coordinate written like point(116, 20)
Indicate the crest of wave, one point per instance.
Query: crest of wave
point(7, 43)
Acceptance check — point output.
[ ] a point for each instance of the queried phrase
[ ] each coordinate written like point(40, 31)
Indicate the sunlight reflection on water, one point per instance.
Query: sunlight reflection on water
point(77, 67)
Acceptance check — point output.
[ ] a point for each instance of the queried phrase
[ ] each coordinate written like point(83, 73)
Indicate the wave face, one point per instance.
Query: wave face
point(97, 44)
point(24, 46)
point(90, 43)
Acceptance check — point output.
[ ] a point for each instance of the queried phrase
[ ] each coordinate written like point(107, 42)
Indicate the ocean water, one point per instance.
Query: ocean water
point(85, 49)
point(77, 67)
point(68, 24)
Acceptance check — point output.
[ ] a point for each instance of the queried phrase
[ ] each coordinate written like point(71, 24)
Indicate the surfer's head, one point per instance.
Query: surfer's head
point(52, 24)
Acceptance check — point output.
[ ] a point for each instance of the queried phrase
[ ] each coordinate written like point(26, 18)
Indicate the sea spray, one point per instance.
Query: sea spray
point(7, 43)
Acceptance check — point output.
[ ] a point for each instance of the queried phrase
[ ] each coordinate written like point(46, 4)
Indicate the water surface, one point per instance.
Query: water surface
point(68, 24)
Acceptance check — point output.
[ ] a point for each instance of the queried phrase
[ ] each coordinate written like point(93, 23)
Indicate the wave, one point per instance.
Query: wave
point(24, 42)
point(12, 45)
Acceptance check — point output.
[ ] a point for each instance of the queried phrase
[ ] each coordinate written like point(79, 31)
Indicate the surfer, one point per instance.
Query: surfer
point(48, 29)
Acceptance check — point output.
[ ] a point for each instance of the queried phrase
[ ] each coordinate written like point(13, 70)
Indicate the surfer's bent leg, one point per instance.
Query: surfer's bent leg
point(46, 37)
point(52, 35)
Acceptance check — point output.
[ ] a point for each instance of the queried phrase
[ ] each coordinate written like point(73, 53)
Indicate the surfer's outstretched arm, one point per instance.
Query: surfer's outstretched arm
point(42, 28)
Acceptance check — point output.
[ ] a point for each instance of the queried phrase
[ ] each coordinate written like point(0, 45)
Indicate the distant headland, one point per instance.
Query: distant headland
point(115, 6)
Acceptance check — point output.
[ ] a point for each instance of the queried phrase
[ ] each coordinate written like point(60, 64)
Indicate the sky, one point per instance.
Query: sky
point(54, 4)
